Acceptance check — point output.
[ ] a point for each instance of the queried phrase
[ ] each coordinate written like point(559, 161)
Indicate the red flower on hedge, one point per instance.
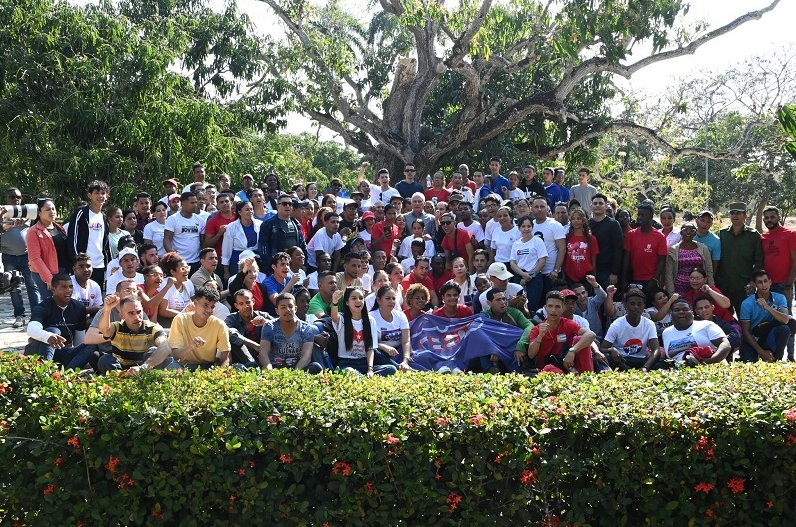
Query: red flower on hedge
point(341, 467)
point(274, 419)
point(443, 421)
point(392, 440)
point(57, 375)
point(241, 472)
point(252, 464)
point(704, 487)
point(528, 477)
point(113, 463)
point(709, 513)
point(790, 415)
point(5, 387)
point(478, 419)
point(790, 440)
point(124, 481)
point(74, 442)
point(736, 485)
point(453, 501)
point(285, 459)
point(706, 446)
point(370, 489)
point(58, 461)
point(49, 489)
point(770, 504)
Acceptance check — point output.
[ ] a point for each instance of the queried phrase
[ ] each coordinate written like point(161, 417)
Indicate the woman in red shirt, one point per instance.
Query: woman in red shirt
point(698, 279)
point(582, 248)
point(386, 235)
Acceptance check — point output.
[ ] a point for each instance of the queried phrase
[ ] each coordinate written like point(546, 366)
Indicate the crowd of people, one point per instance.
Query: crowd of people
point(265, 277)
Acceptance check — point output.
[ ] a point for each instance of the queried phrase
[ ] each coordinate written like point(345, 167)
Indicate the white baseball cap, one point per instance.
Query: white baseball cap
point(498, 270)
point(127, 250)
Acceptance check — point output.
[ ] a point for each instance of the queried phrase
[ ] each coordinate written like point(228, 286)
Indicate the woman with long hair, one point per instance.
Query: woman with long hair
point(130, 224)
point(504, 236)
point(153, 231)
point(317, 221)
point(582, 248)
point(667, 221)
point(357, 338)
point(462, 278)
point(153, 290)
point(257, 201)
point(179, 296)
point(392, 327)
point(47, 247)
point(528, 258)
point(312, 190)
point(240, 235)
point(115, 231)
point(395, 275)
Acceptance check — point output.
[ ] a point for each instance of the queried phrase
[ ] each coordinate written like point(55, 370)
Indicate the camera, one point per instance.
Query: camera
point(23, 212)
point(9, 280)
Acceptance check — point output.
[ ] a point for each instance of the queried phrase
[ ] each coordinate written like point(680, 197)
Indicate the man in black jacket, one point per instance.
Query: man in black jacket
point(88, 231)
point(245, 327)
point(609, 240)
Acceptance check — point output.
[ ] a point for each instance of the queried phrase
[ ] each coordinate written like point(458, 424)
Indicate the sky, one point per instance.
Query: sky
point(761, 37)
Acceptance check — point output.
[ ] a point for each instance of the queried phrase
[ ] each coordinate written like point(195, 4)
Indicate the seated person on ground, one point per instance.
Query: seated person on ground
point(245, 326)
point(690, 342)
point(764, 321)
point(704, 309)
point(631, 340)
point(137, 344)
point(197, 338)
point(287, 342)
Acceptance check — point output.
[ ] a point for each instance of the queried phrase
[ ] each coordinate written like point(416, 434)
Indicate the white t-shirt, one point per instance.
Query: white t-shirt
point(527, 254)
point(312, 280)
point(154, 231)
point(512, 290)
point(383, 195)
point(466, 193)
point(370, 300)
point(516, 195)
point(221, 311)
point(179, 299)
point(366, 237)
point(468, 292)
point(91, 296)
point(187, 235)
point(322, 242)
point(676, 342)
point(550, 231)
point(357, 350)
point(96, 231)
point(475, 229)
point(502, 242)
point(390, 332)
point(113, 280)
point(407, 264)
point(663, 323)
point(491, 225)
point(631, 341)
point(405, 251)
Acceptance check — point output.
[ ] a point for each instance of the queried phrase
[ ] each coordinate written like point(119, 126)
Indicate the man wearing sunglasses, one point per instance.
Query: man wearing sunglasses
point(279, 232)
point(408, 186)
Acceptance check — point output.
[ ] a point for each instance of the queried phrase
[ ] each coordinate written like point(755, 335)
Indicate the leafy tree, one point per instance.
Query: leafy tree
point(425, 82)
point(787, 118)
point(131, 94)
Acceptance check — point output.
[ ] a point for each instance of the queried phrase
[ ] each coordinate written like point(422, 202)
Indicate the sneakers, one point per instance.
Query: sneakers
point(18, 322)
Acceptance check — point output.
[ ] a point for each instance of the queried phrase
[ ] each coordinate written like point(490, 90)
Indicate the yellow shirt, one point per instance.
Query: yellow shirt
point(215, 333)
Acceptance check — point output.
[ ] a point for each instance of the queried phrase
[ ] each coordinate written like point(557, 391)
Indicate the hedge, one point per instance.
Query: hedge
point(703, 446)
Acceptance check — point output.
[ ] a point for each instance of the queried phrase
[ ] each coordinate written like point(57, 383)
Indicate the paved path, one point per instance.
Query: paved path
point(12, 339)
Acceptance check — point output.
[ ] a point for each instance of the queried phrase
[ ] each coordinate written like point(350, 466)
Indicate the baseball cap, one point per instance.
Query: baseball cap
point(357, 193)
point(737, 206)
point(646, 204)
point(706, 212)
point(568, 293)
point(248, 176)
point(498, 270)
point(174, 197)
point(248, 253)
point(688, 225)
point(303, 204)
point(124, 252)
point(368, 214)
point(455, 197)
point(171, 182)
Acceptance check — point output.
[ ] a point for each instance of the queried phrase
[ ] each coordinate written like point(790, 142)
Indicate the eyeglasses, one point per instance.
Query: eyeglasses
point(286, 203)
point(410, 170)
point(445, 222)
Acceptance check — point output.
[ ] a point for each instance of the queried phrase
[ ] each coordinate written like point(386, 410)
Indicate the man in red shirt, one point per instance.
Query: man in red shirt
point(386, 233)
point(552, 341)
point(451, 308)
point(464, 170)
point(217, 223)
point(437, 192)
point(779, 257)
point(419, 275)
point(645, 250)
point(456, 242)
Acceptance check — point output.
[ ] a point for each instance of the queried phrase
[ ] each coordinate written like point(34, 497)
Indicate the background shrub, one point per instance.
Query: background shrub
point(705, 446)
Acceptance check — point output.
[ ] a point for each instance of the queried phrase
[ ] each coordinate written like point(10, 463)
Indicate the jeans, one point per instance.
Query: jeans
point(41, 287)
point(361, 366)
point(20, 263)
point(775, 342)
point(68, 357)
point(535, 292)
point(780, 288)
point(107, 362)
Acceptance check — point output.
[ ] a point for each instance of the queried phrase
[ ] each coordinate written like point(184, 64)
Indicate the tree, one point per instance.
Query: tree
point(94, 92)
point(423, 82)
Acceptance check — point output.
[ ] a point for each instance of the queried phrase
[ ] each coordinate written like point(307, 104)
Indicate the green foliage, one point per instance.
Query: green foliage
point(787, 119)
point(95, 92)
point(703, 446)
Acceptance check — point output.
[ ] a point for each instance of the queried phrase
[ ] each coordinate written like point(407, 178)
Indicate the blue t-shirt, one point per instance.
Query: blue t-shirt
point(713, 244)
point(755, 314)
point(286, 351)
point(406, 189)
point(564, 193)
point(553, 193)
point(498, 183)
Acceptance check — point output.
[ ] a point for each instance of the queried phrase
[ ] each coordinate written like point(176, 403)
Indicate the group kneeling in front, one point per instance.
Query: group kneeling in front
point(378, 342)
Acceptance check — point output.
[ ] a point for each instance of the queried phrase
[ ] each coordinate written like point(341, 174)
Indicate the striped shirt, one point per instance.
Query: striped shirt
point(131, 347)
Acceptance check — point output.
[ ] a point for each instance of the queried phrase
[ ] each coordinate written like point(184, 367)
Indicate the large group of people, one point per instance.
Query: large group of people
point(264, 277)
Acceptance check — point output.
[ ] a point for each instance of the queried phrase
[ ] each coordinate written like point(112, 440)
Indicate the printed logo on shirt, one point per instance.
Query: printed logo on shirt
point(96, 226)
point(192, 229)
point(648, 248)
point(561, 338)
point(633, 347)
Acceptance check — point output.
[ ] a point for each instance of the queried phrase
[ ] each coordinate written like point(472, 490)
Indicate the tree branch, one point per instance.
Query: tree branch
point(599, 64)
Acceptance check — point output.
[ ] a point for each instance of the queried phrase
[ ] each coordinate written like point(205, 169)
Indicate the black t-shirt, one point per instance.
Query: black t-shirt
point(68, 320)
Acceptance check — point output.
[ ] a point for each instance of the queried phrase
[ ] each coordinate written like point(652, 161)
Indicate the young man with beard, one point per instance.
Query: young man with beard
point(245, 327)
point(742, 255)
point(216, 224)
point(554, 236)
point(88, 230)
point(185, 231)
point(645, 250)
point(529, 185)
point(764, 322)
point(583, 192)
point(552, 343)
point(408, 186)
point(609, 238)
point(703, 224)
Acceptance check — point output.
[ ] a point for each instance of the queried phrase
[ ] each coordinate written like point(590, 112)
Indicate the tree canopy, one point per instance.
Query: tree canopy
point(424, 81)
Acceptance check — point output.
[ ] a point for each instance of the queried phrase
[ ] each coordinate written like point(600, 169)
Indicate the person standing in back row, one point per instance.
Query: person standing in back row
point(88, 231)
point(742, 256)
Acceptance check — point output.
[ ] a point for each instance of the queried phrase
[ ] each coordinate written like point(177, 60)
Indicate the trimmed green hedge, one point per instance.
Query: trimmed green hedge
point(703, 446)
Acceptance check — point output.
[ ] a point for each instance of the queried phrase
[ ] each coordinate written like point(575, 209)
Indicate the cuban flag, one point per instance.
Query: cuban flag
point(454, 342)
